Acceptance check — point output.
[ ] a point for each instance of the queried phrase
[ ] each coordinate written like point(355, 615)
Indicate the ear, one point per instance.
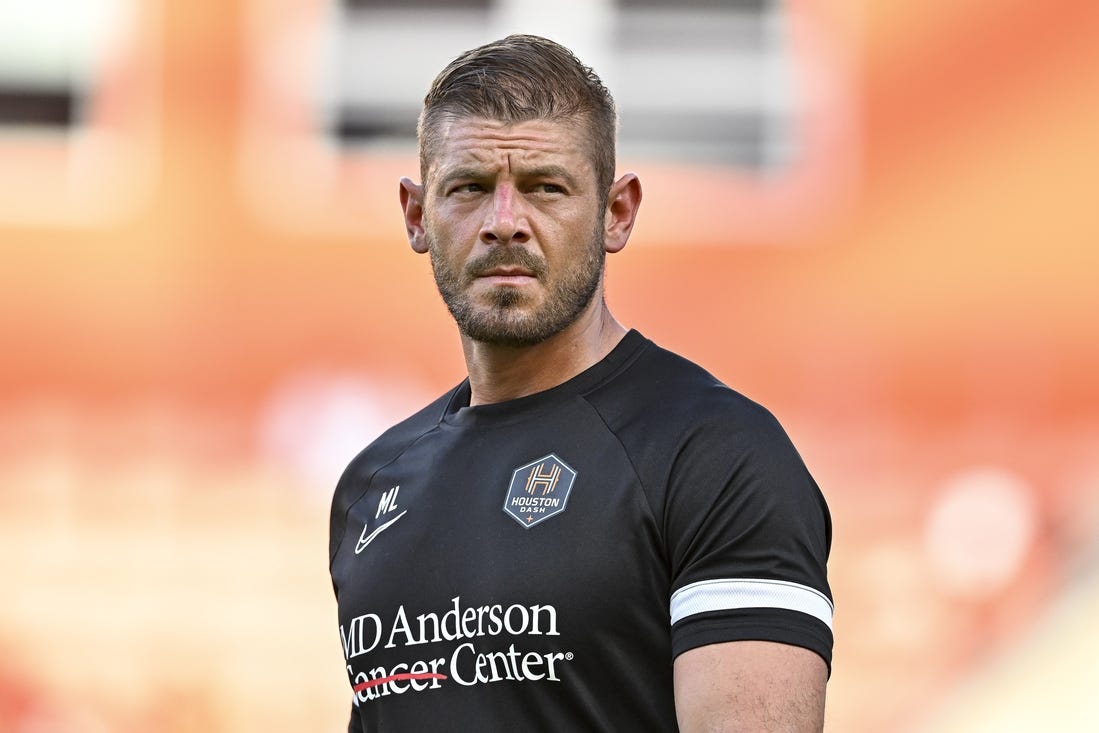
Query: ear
point(622, 204)
point(412, 204)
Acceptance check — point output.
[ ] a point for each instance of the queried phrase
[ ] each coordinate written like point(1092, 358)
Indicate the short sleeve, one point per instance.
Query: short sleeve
point(747, 532)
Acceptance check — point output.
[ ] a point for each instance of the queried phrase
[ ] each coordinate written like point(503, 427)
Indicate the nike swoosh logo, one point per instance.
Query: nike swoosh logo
point(365, 539)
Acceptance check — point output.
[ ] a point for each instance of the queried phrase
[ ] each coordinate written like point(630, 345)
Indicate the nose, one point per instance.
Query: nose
point(505, 222)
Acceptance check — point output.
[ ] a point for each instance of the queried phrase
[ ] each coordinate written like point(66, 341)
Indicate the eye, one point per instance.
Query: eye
point(550, 188)
point(467, 188)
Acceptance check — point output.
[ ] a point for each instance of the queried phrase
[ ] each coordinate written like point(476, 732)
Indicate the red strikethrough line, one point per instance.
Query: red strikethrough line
point(393, 677)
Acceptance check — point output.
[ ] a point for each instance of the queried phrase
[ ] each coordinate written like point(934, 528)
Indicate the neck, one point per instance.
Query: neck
point(500, 373)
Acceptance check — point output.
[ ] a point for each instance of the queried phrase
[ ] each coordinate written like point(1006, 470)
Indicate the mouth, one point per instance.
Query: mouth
point(507, 275)
point(507, 271)
point(501, 267)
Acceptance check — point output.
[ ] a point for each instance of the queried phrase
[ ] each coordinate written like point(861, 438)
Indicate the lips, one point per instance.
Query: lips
point(507, 277)
point(507, 272)
point(503, 265)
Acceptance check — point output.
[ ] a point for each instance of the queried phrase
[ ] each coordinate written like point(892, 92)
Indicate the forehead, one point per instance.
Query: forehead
point(491, 144)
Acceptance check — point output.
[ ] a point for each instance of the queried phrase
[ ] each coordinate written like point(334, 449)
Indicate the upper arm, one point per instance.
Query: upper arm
point(750, 687)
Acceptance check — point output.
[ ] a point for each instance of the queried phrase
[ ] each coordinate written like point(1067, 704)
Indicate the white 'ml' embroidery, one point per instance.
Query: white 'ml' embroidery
point(385, 506)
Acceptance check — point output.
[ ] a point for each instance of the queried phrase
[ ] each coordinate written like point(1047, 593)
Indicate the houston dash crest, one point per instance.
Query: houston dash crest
point(539, 490)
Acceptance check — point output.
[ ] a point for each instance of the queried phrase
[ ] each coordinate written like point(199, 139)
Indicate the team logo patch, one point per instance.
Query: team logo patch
point(539, 490)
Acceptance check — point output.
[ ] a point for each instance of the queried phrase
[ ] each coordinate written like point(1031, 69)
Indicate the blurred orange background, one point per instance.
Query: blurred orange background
point(206, 310)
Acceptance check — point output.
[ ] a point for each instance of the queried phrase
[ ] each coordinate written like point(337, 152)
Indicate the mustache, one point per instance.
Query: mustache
point(506, 257)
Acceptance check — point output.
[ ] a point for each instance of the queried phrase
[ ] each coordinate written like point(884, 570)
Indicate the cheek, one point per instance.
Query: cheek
point(454, 227)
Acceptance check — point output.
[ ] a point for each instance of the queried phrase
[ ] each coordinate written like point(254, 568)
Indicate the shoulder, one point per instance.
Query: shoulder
point(697, 446)
point(393, 441)
point(385, 448)
point(695, 430)
point(662, 393)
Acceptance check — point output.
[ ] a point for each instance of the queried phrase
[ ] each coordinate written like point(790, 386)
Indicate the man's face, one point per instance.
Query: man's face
point(514, 227)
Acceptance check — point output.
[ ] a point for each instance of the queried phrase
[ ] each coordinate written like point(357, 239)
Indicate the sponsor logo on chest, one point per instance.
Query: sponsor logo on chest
point(476, 636)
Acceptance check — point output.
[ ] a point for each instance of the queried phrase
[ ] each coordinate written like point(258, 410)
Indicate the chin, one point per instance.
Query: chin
point(525, 330)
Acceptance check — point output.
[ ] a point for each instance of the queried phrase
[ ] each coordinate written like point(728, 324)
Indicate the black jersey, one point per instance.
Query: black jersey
point(537, 564)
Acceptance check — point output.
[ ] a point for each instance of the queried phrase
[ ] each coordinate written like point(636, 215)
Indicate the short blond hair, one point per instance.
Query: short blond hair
point(522, 78)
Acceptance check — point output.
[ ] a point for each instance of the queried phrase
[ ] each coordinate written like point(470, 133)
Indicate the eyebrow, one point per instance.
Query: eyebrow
point(549, 171)
point(479, 174)
point(454, 174)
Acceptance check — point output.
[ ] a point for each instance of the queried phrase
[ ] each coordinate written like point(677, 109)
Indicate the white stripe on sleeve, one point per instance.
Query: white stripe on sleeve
point(730, 594)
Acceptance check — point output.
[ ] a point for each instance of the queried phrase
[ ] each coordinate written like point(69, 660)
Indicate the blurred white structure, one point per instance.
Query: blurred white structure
point(695, 80)
point(980, 530)
point(79, 111)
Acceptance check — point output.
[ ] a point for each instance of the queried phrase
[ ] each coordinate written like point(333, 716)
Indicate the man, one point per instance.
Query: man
point(589, 533)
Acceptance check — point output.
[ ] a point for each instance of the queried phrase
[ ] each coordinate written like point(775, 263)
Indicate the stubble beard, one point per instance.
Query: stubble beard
point(505, 320)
